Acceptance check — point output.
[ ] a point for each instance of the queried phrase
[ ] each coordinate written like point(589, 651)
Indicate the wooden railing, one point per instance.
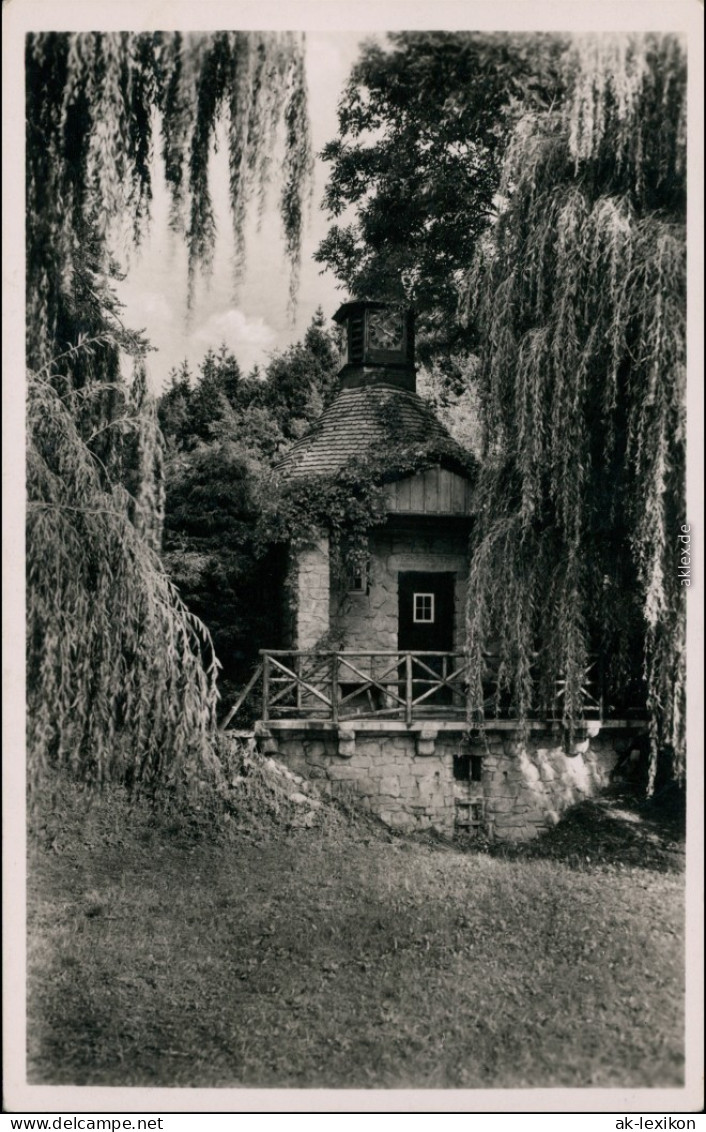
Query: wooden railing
point(395, 685)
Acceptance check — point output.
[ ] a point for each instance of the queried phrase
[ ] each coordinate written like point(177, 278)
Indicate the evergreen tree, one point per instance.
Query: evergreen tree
point(579, 297)
point(299, 382)
point(173, 408)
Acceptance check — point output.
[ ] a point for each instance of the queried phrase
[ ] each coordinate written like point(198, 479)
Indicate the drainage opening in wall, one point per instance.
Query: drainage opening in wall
point(468, 768)
point(470, 817)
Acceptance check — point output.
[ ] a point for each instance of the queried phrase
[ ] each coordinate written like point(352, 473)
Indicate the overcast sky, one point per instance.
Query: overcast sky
point(256, 321)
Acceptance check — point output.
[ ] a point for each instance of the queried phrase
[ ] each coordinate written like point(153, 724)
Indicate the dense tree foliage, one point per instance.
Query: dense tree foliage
point(422, 128)
point(579, 294)
point(112, 652)
point(224, 432)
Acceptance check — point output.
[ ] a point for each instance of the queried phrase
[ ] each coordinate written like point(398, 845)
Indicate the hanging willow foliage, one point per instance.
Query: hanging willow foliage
point(121, 677)
point(91, 102)
point(579, 298)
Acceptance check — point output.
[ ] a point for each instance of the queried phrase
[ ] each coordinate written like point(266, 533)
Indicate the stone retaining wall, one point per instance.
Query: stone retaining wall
point(406, 776)
point(527, 786)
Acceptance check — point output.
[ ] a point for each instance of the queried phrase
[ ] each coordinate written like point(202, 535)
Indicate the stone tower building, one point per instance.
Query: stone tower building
point(370, 694)
point(420, 556)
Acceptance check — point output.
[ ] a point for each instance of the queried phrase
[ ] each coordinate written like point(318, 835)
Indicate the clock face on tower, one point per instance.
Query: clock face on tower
point(386, 330)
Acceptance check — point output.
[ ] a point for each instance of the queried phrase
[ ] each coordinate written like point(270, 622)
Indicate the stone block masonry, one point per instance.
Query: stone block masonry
point(369, 620)
point(309, 602)
point(406, 775)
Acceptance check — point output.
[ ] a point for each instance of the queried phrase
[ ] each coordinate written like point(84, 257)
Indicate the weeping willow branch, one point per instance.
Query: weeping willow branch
point(91, 100)
point(120, 676)
point(579, 296)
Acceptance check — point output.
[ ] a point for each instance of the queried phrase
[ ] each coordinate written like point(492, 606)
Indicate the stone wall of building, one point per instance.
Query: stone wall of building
point(368, 620)
point(406, 777)
point(308, 597)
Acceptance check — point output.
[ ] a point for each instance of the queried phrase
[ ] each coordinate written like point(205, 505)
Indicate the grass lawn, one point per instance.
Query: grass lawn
point(344, 956)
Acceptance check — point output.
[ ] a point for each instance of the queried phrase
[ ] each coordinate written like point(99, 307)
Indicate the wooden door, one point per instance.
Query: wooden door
point(426, 624)
point(426, 612)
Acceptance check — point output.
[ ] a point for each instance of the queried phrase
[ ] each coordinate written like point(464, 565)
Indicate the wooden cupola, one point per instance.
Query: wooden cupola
point(379, 344)
point(377, 388)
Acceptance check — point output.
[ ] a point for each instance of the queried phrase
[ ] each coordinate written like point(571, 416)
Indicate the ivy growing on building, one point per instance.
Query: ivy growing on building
point(347, 504)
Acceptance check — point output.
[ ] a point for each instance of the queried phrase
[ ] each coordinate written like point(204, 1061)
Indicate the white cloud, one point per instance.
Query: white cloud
point(250, 339)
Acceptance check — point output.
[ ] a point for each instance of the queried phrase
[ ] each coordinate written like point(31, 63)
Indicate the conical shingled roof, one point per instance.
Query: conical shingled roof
point(364, 421)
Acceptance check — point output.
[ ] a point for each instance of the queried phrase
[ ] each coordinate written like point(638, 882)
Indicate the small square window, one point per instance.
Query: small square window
point(424, 608)
point(468, 768)
point(359, 581)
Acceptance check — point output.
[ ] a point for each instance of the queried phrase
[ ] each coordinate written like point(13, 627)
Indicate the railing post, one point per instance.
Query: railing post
point(334, 687)
point(298, 671)
point(408, 688)
point(265, 687)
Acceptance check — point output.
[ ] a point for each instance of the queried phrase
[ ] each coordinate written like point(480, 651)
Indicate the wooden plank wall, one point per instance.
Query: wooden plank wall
point(436, 491)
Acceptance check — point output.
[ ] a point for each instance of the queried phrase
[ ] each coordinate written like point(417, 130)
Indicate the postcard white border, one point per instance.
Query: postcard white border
point(21, 16)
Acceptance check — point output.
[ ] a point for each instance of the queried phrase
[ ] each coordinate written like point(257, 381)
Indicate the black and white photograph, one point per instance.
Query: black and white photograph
point(353, 554)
